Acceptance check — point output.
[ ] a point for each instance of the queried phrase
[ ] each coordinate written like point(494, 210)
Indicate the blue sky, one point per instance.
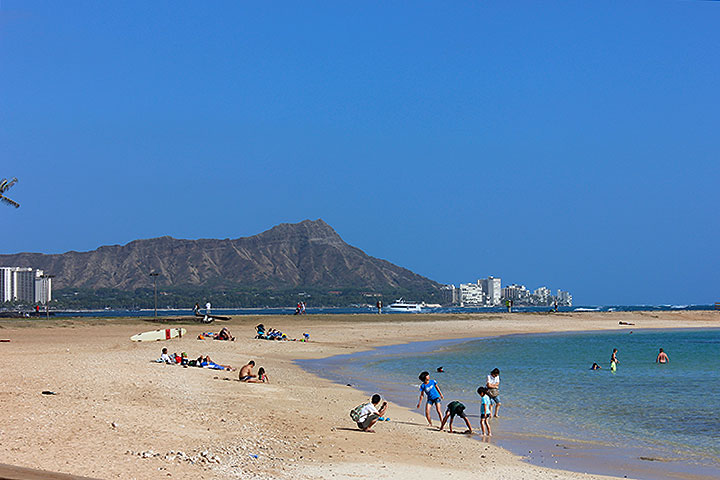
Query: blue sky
point(572, 144)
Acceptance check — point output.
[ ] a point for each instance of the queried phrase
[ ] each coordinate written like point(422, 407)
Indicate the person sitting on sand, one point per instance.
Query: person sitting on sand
point(165, 358)
point(595, 366)
point(430, 389)
point(455, 408)
point(662, 357)
point(260, 331)
point(370, 414)
point(246, 372)
point(261, 377)
point(224, 334)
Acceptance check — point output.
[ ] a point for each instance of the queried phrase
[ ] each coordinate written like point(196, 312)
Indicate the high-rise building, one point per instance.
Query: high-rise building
point(541, 296)
point(471, 294)
point(515, 292)
point(22, 284)
point(6, 284)
point(492, 290)
point(564, 298)
point(43, 287)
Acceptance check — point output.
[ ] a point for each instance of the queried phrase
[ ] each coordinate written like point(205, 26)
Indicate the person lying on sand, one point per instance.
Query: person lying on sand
point(246, 372)
point(206, 362)
point(370, 414)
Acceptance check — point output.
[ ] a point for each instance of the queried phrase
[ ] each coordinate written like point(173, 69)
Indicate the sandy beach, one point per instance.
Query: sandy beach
point(116, 414)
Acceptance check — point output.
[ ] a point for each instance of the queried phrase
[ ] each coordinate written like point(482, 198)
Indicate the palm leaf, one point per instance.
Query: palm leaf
point(8, 201)
point(5, 185)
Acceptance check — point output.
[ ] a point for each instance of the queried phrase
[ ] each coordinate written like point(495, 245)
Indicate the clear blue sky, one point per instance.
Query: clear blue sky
point(573, 144)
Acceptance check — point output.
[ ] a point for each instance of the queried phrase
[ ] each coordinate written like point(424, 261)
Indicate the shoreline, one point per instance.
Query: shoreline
point(560, 451)
point(112, 401)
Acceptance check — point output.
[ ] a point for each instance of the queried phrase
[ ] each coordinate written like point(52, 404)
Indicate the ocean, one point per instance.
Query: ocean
point(646, 420)
point(170, 312)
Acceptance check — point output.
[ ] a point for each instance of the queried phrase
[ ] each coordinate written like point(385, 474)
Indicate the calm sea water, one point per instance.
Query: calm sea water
point(168, 312)
point(667, 411)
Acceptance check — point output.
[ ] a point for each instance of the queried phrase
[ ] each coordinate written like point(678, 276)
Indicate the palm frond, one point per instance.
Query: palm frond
point(9, 201)
point(5, 185)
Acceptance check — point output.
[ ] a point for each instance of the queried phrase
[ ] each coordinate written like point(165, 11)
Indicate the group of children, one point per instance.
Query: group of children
point(489, 396)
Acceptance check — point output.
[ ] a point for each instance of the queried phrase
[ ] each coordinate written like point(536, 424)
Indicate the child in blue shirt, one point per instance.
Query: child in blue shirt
point(434, 395)
point(485, 410)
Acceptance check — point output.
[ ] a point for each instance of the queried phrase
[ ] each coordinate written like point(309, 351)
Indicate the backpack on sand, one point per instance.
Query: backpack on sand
point(355, 412)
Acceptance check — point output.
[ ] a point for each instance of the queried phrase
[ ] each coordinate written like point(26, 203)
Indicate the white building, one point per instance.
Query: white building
point(471, 294)
point(564, 298)
point(542, 296)
point(491, 287)
point(6, 284)
point(515, 292)
point(22, 284)
point(43, 288)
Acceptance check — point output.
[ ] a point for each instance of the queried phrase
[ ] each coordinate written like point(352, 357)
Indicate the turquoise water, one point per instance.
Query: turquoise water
point(670, 411)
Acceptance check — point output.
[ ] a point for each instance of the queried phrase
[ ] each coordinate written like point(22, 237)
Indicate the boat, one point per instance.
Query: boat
point(401, 305)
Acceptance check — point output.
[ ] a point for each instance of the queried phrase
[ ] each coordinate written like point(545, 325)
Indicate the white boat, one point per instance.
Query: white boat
point(411, 307)
point(402, 306)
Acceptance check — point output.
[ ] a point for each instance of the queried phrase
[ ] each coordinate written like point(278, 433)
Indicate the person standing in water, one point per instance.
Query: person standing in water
point(614, 360)
point(662, 357)
point(492, 387)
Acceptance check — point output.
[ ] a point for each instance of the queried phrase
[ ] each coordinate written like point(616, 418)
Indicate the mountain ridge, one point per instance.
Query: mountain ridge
point(305, 254)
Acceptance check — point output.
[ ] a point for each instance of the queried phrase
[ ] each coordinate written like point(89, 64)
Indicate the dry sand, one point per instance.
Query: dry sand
point(118, 415)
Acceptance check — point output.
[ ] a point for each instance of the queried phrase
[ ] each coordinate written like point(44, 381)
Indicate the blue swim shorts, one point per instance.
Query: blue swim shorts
point(495, 399)
point(433, 401)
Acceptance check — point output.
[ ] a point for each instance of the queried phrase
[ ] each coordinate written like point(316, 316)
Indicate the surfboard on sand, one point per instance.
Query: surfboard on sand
point(156, 335)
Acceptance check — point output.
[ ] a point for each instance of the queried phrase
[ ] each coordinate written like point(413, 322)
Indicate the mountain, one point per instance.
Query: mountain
point(302, 255)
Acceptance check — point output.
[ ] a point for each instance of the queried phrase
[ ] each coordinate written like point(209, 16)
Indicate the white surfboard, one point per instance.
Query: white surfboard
point(156, 335)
